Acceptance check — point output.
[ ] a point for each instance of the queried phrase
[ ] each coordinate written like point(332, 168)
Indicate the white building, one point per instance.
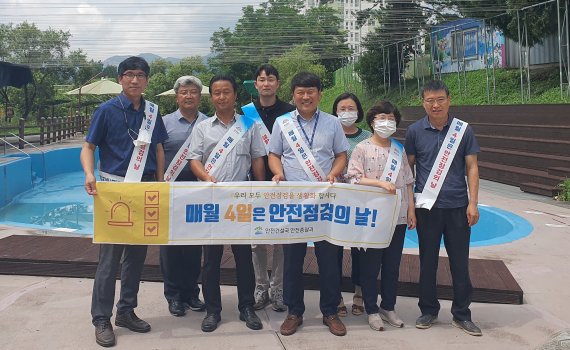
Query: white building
point(347, 10)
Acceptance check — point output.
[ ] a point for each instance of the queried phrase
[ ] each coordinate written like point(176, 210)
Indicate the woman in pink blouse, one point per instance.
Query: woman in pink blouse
point(366, 167)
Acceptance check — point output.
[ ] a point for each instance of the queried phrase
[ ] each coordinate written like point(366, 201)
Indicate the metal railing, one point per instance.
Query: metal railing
point(21, 151)
point(36, 148)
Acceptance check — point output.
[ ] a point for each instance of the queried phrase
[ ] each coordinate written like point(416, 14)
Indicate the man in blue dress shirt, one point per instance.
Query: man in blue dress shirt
point(114, 128)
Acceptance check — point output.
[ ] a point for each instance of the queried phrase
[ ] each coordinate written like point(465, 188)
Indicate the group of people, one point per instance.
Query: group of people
point(445, 205)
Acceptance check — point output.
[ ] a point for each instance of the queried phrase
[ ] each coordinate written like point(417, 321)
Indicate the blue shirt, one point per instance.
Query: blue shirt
point(178, 129)
point(328, 140)
point(424, 142)
point(109, 131)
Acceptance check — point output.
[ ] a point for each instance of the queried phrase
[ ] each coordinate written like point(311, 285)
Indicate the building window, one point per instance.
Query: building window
point(464, 44)
point(456, 45)
point(470, 40)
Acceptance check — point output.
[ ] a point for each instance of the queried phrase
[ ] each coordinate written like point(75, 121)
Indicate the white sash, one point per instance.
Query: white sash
point(179, 161)
point(441, 166)
point(252, 113)
point(228, 142)
point(142, 144)
point(300, 149)
point(394, 162)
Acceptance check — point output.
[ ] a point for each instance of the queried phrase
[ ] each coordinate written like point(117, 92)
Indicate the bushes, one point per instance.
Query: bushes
point(565, 194)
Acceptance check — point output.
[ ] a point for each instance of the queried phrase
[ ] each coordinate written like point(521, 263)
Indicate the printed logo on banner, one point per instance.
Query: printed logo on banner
point(131, 212)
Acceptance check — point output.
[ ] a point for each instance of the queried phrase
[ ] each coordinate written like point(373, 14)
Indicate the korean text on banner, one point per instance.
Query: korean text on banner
point(197, 213)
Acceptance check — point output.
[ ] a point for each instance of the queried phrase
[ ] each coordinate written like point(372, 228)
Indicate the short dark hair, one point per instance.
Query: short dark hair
point(222, 77)
point(435, 85)
point(346, 96)
point(133, 63)
point(385, 107)
point(306, 79)
point(268, 69)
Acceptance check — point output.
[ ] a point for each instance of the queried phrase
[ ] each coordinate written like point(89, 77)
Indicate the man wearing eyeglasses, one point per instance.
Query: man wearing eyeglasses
point(115, 127)
point(181, 264)
point(444, 151)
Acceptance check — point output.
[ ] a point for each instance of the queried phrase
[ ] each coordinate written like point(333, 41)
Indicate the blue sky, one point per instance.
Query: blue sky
point(103, 28)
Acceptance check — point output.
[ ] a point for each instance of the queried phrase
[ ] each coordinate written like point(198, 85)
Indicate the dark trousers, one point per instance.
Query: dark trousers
point(211, 277)
point(329, 277)
point(354, 256)
point(180, 266)
point(130, 258)
point(452, 224)
point(385, 262)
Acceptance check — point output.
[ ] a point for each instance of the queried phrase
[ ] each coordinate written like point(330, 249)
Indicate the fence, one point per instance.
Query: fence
point(51, 130)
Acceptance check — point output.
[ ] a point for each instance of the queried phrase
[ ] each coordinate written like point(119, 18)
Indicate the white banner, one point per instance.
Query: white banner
point(291, 212)
point(200, 213)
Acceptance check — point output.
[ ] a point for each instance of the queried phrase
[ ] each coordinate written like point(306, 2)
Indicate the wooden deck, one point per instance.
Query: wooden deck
point(77, 257)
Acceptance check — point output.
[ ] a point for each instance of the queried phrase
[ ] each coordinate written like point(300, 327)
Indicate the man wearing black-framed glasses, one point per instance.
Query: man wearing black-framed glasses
point(115, 127)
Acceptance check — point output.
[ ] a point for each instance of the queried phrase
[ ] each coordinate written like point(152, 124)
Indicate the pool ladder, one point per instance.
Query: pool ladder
point(27, 154)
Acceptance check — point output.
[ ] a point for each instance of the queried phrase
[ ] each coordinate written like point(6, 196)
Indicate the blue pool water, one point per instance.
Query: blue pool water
point(62, 204)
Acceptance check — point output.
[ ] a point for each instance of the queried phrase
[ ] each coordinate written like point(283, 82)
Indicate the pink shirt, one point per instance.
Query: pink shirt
point(368, 160)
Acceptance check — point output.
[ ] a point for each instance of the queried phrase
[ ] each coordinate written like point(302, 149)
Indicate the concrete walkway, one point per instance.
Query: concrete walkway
point(53, 313)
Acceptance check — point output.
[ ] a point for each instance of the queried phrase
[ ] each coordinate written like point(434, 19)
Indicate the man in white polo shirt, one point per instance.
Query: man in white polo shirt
point(240, 154)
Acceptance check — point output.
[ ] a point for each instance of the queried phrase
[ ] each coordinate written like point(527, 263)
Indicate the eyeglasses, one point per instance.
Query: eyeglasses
point(439, 101)
point(131, 76)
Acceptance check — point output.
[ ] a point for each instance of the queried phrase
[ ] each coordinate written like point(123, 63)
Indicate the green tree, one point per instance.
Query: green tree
point(272, 29)
point(43, 51)
point(163, 76)
point(297, 59)
point(387, 46)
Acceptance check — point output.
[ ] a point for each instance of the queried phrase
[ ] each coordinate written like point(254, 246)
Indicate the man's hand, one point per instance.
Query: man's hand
point(331, 178)
point(212, 179)
point(90, 184)
point(472, 214)
point(412, 221)
point(278, 177)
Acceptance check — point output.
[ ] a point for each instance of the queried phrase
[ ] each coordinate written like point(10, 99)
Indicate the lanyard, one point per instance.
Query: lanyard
point(310, 141)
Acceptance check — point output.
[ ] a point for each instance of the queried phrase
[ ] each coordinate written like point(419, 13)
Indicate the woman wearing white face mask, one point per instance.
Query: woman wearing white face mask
point(366, 167)
point(349, 111)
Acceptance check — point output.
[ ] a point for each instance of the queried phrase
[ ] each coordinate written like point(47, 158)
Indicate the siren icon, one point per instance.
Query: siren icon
point(120, 215)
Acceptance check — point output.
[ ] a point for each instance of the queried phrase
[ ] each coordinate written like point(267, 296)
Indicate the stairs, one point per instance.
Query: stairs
point(521, 145)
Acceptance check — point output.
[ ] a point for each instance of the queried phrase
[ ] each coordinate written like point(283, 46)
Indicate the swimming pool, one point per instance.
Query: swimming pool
point(61, 204)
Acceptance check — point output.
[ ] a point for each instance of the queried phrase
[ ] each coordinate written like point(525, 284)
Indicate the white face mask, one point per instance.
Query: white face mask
point(385, 128)
point(347, 118)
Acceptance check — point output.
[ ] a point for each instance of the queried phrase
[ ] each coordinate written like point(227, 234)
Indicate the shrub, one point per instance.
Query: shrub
point(565, 194)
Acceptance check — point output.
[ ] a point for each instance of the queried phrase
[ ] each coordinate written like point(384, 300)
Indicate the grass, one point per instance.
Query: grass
point(475, 88)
